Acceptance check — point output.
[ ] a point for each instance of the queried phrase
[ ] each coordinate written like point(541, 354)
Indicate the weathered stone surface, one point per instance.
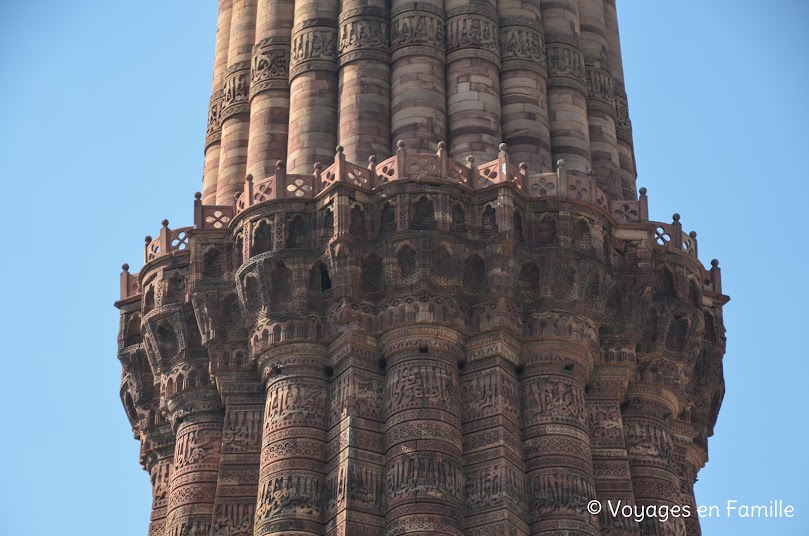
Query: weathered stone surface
point(419, 342)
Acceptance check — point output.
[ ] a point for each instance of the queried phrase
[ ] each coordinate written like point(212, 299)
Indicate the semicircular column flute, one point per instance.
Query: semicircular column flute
point(559, 463)
point(423, 469)
point(213, 136)
point(292, 480)
point(600, 98)
point(524, 84)
point(364, 80)
point(313, 85)
point(567, 91)
point(159, 465)
point(269, 87)
point(196, 462)
point(418, 77)
point(236, 102)
point(473, 79)
point(689, 462)
point(647, 416)
point(623, 126)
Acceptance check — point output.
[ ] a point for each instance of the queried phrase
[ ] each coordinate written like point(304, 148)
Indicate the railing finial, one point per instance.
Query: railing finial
point(716, 276)
point(401, 159)
point(280, 178)
point(561, 173)
point(643, 205)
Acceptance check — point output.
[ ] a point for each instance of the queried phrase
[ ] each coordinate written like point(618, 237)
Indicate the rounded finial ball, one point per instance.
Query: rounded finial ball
point(470, 159)
point(503, 147)
point(165, 223)
point(692, 234)
point(372, 159)
point(197, 195)
point(714, 263)
point(249, 178)
point(147, 239)
point(400, 144)
point(442, 145)
point(590, 172)
point(560, 162)
point(125, 267)
point(339, 149)
point(676, 217)
point(318, 166)
point(643, 191)
point(523, 166)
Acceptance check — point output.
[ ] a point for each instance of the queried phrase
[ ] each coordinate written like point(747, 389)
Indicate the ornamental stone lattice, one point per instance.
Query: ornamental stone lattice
point(427, 331)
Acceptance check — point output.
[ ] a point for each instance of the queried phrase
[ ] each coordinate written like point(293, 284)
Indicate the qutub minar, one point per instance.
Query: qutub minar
point(460, 322)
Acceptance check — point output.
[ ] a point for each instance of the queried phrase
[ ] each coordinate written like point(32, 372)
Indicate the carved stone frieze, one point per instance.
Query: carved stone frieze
point(364, 33)
point(522, 40)
point(313, 48)
point(472, 33)
point(416, 28)
point(236, 93)
point(565, 61)
point(270, 65)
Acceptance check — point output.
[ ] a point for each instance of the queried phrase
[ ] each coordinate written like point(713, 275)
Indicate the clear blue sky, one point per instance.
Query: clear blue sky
point(104, 109)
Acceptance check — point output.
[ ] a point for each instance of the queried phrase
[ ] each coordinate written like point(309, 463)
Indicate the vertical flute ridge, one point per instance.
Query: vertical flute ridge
point(623, 125)
point(600, 99)
point(473, 79)
point(567, 90)
point(647, 418)
point(356, 448)
point(364, 80)
point(213, 137)
point(269, 87)
point(236, 102)
point(418, 74)
point(524, 84)
point(606, 393)
point(313, 85)
point(496, 484)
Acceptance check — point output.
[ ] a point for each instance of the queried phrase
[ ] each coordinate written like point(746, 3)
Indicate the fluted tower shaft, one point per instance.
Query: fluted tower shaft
point(421, 294)
point(293, 79)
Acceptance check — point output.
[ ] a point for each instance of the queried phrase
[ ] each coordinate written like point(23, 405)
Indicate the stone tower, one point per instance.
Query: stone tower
point(461, 322)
